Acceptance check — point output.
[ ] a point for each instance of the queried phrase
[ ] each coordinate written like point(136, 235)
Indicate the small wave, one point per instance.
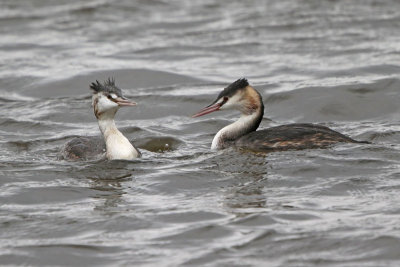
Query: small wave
point(14, 97)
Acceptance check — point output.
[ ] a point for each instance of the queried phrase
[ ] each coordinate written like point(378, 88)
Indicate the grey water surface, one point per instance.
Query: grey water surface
point(331, 62)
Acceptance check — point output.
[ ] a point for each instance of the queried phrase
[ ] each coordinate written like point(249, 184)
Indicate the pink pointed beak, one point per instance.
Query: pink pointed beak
point(208, 109)
point(124, 102)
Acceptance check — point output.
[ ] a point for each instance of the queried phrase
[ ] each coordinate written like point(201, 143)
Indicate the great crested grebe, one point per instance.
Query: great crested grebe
point(242, 133)
point(106, 100)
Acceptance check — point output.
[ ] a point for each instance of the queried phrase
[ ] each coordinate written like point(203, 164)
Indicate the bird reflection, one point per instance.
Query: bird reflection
point(245, 198)
point(107, 179)
point(249, 173)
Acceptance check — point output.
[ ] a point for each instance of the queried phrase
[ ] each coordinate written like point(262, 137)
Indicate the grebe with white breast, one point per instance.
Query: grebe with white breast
point(242, 134)
point(106, 100)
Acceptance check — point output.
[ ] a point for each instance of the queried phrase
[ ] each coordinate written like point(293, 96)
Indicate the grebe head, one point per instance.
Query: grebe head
point(107, 98)
point(238, 95)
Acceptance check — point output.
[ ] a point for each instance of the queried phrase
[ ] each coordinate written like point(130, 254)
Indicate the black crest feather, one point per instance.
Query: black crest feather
point(233, 87)
point(108, 86)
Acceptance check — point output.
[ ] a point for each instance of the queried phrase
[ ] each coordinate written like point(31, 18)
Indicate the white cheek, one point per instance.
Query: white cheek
point(105, 104)
point(232, 103)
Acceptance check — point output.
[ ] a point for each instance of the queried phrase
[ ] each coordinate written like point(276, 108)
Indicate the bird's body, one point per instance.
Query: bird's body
point(242, 133)
point(106, 100)
point(83, 148)
point(292, 136)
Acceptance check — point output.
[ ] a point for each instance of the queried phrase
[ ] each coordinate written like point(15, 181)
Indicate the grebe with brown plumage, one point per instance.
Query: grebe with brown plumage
point(242, 134)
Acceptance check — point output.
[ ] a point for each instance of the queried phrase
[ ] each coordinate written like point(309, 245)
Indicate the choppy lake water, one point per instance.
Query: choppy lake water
point(331, 62)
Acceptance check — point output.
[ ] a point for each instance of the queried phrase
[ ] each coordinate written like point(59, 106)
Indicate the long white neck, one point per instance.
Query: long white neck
point(244, 125)
point(117, 145)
